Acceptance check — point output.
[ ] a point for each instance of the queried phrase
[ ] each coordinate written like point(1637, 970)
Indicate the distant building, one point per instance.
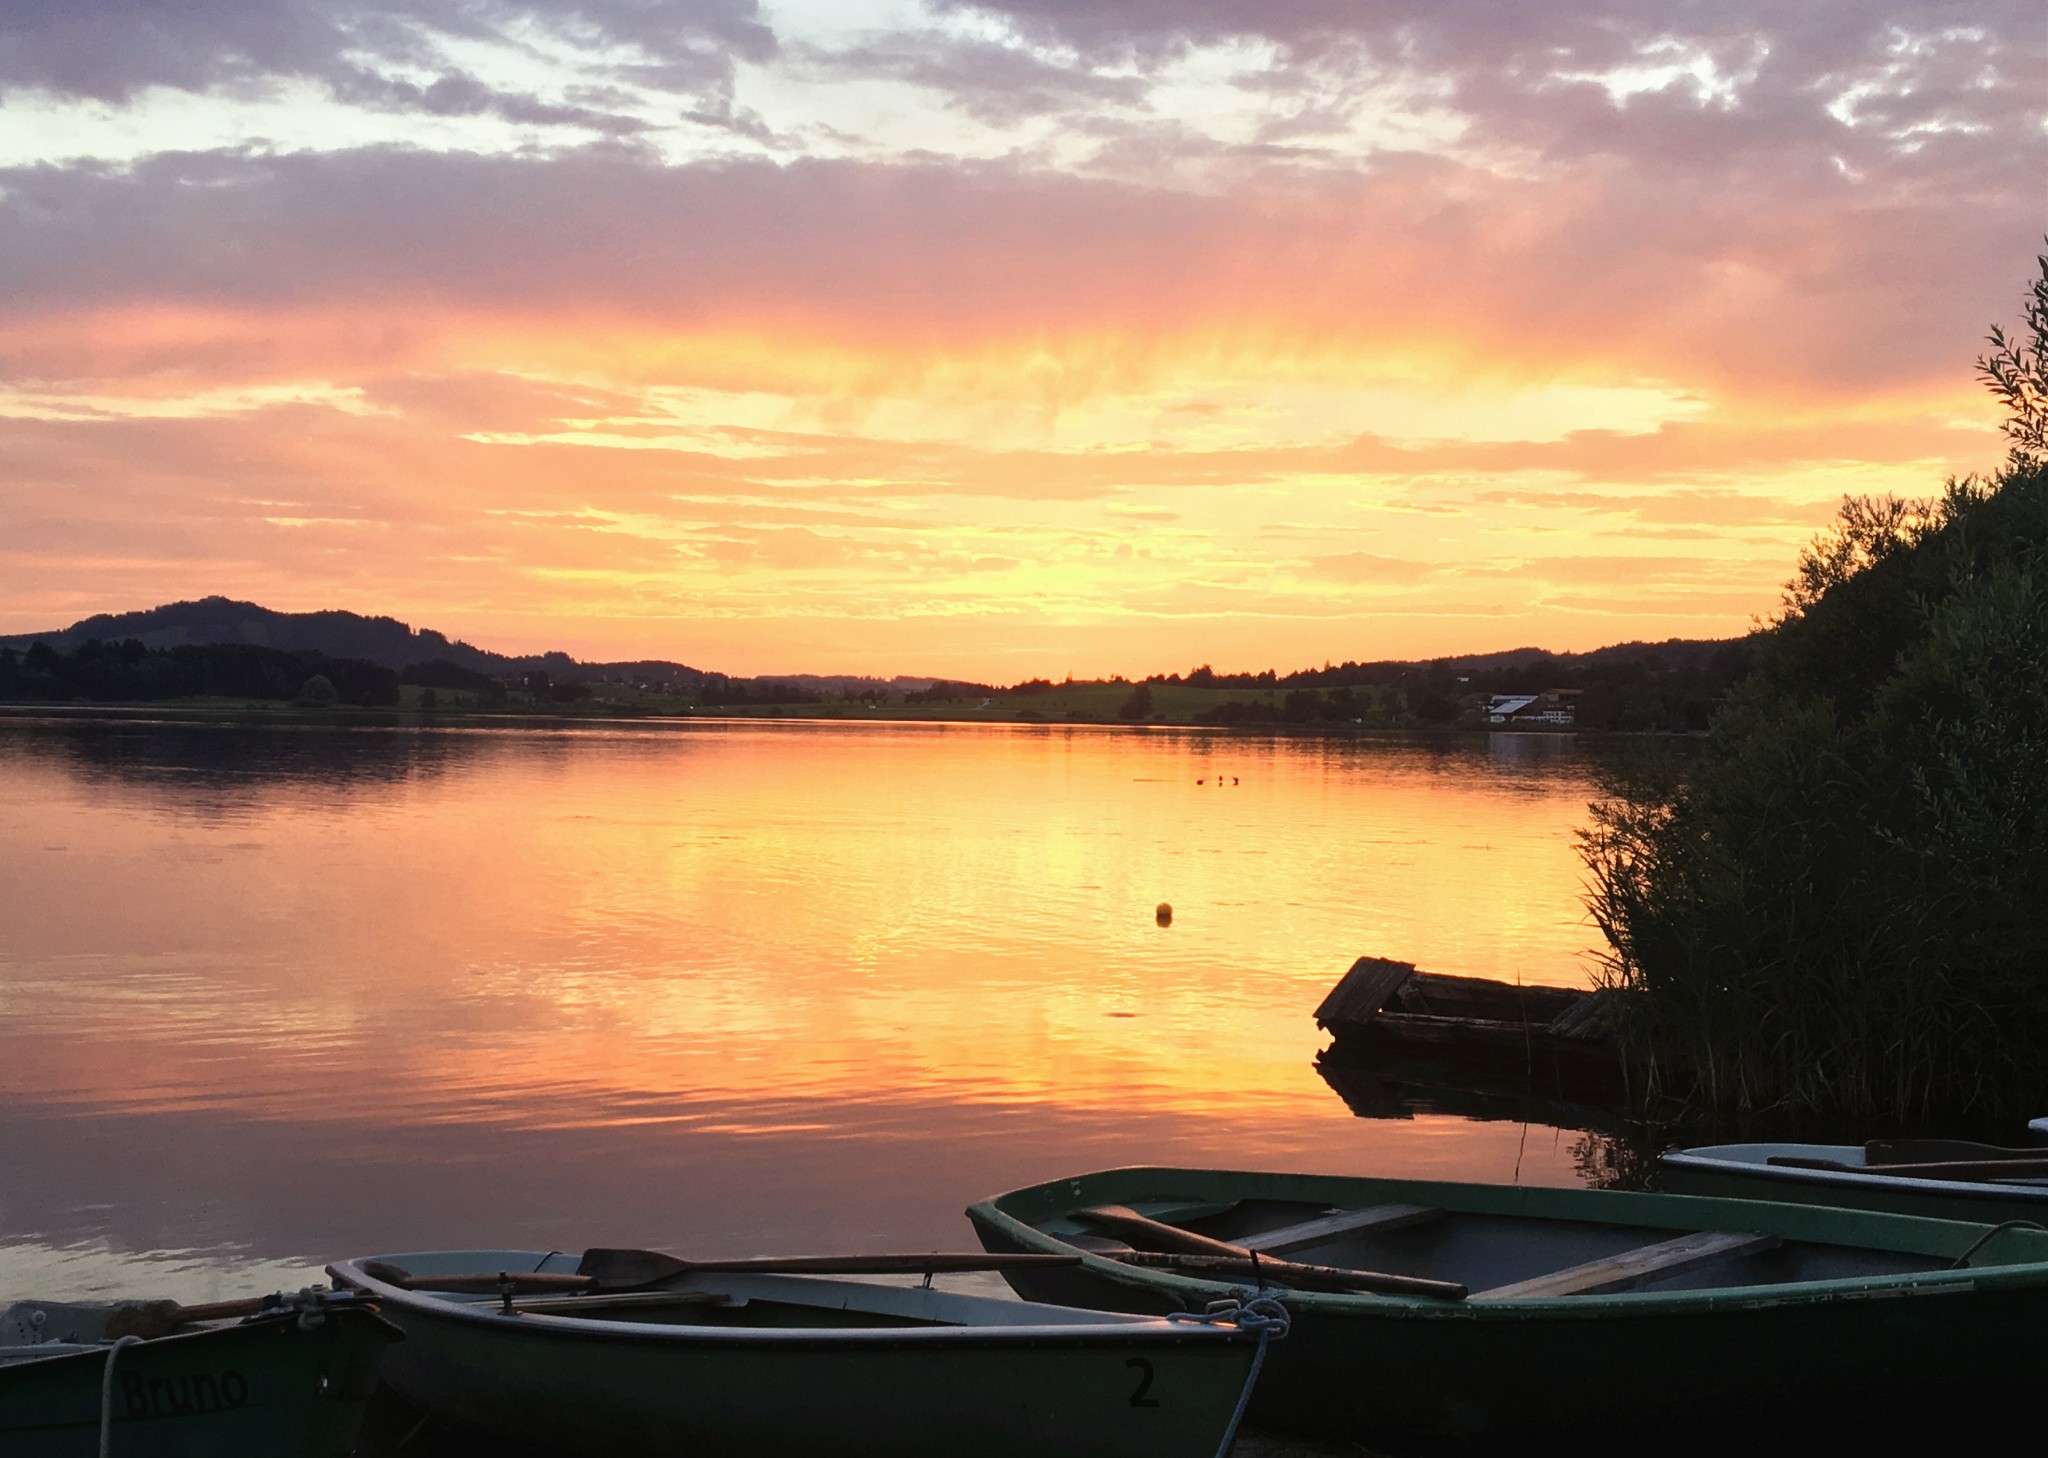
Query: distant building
point(1553, 706)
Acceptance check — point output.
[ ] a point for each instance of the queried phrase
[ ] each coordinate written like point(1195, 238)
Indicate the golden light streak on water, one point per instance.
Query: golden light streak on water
point(292, 994)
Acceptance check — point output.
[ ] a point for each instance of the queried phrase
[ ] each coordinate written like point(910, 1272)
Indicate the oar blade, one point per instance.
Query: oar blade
point(615, 1266)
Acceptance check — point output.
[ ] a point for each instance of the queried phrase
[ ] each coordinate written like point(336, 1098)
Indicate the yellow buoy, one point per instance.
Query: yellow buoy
point(1164, 914)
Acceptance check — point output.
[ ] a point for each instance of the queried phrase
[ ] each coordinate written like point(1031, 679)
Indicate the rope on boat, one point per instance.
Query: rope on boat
point(107, 1393)
point(1247, 1310)
point(309, 1305)
point(1985, 1239)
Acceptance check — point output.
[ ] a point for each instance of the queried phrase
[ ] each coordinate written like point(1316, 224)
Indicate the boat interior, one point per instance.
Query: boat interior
point(1949, 1160)
point(31, 1330)
point(753, 1299)
point(1495, 1257)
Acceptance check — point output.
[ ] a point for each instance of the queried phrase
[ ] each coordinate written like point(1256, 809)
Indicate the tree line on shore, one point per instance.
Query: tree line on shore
point(1674, 686)
point(1637, 687)
point(129, 672)
point(1838, 908)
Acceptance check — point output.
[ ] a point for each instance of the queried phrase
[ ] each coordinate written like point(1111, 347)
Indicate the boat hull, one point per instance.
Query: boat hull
point(1738, 1172)
point(1762, 1367)
point(1145, 1390)
point(259, 1389)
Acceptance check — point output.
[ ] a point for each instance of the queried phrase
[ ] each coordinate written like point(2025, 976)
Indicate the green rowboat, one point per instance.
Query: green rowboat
point(287, 1382)
point(1846, 1175)
point(762, 1364)
point(1594, 1319)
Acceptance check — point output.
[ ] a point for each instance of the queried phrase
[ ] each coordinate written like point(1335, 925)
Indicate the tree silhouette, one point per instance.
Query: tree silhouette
point(2018, 375)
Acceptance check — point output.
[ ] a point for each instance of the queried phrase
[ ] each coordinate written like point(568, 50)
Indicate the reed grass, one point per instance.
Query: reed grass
point(1839, 909)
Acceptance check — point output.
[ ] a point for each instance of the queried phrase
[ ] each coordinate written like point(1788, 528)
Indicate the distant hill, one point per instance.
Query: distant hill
point(383, 641)
point(1696, 671)
point(1670, 654)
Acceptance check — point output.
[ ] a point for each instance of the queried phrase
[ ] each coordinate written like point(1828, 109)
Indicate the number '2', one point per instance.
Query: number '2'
point(1138, 1398)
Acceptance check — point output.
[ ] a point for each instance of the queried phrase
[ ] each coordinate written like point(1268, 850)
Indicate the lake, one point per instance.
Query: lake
point(270, 995)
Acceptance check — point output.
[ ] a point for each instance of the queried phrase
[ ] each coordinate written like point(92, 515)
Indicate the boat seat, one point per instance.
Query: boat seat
point(1372, 1220)
point(1630, 1268)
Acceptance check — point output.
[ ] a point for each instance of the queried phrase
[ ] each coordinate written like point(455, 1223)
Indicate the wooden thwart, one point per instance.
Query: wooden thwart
point(1372, 1220)
point(1631, 1268)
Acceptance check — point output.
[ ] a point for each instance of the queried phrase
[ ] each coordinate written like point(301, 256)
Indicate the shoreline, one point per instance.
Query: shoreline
point(354, 716)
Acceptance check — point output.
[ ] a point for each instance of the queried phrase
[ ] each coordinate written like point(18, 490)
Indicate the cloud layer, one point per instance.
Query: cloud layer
point(992, 339)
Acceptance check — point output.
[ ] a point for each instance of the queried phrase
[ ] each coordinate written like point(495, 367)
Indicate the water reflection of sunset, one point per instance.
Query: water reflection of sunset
point(693, 944)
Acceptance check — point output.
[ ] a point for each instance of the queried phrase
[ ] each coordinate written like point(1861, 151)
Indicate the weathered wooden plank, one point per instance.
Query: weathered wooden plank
point(1362, 991)
point(1515, 1041)
point(1485, 997)
point(1631, 1268)
point(1586, 1018)
point(1338, 1223)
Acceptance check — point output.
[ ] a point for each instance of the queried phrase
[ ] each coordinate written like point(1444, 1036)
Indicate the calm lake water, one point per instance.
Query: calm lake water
point(272, 995)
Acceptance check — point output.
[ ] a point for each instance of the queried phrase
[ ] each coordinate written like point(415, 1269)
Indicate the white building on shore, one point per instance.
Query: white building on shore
point(1555, 707)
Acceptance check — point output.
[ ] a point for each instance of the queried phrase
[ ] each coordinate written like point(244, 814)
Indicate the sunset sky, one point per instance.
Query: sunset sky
point(993, 340)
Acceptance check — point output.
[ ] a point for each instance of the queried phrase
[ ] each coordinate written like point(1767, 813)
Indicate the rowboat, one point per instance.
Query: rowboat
point(1526, 1038)
point(1453, 1314)
point(760, 1358)
point(1940, 1179)
point(156, 1380)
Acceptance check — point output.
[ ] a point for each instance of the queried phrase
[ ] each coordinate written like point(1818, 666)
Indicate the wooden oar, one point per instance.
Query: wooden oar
point(161, 1318)
point(1940, 1151)
point(488, 1283)
point(1143, 1230)
point(607, 1269)
point(1294, 1274)
point(615, 1268)
point(1180, 1249)
point(1948, 1169)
